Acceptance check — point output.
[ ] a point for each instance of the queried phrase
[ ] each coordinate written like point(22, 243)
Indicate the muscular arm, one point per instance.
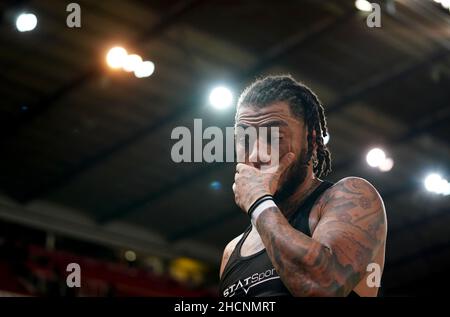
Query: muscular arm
point(351, 230)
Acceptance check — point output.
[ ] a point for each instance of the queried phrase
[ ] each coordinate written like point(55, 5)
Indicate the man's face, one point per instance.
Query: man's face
point(292, 137)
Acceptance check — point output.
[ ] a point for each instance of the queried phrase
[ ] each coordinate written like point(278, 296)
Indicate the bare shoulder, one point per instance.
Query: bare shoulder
point(360, 192)
point(356, 185)
point(350, 191)
point(227, 252)
point(356, 202)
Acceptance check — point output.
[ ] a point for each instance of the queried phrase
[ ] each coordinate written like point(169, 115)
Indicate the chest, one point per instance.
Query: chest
point(253, 243)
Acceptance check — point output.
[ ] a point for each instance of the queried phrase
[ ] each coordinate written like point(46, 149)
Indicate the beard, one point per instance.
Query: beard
point(294, 177)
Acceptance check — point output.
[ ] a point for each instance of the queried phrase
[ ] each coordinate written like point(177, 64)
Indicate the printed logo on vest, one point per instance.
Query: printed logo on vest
point(247, 283)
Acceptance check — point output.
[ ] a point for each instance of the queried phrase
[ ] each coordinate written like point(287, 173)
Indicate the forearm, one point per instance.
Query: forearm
point(306, 267)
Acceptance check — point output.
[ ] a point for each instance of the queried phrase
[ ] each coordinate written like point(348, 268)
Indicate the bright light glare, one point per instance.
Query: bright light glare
point(386, 165)
point(144, 69)
point(131, 62)
point(363, 5)
point(326, 139)
point(221, 98)
point(436, 184)
point(375, 157)
point(445, 4)
point(26, 22)
point(116, 57)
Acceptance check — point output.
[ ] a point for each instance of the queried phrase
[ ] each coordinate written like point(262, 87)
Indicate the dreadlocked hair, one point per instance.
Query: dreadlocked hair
point(303, 103)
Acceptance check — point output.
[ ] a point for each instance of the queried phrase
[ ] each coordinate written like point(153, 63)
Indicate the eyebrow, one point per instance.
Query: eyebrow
point(273, 123)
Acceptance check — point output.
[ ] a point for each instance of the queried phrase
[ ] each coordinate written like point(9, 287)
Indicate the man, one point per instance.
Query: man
point(308, 237)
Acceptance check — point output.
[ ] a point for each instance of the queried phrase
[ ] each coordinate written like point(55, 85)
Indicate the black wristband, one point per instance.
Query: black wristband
point(257, 202)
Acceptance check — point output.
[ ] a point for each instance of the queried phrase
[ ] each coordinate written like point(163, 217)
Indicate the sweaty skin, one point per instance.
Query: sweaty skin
point(348, 222)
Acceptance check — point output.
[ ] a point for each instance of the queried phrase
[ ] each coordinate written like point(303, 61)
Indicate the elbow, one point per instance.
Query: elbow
point(318, 276)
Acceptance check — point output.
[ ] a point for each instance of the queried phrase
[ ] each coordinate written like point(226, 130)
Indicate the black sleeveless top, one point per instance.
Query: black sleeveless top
point(254, 275)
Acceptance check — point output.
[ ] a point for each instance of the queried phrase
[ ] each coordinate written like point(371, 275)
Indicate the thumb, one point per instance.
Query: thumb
point(285, 162)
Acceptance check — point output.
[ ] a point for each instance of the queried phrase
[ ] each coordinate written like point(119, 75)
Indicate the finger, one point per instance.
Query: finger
point(234, 188)
point(285, 162)
point(236, 176)
point(240, 167)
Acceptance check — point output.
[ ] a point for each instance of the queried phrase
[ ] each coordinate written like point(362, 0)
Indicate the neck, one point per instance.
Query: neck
point(290, 204)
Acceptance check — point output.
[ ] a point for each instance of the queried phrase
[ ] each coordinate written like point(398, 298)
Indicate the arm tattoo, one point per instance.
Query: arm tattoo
point(349, 234)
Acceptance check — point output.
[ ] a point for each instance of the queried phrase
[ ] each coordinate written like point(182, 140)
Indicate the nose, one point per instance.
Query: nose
point(260, 153)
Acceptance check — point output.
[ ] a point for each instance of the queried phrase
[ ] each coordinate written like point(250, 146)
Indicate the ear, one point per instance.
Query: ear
point(314, 135)
point(314, 150)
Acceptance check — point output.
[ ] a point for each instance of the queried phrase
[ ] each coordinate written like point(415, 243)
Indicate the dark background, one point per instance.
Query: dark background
point(85, 167)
